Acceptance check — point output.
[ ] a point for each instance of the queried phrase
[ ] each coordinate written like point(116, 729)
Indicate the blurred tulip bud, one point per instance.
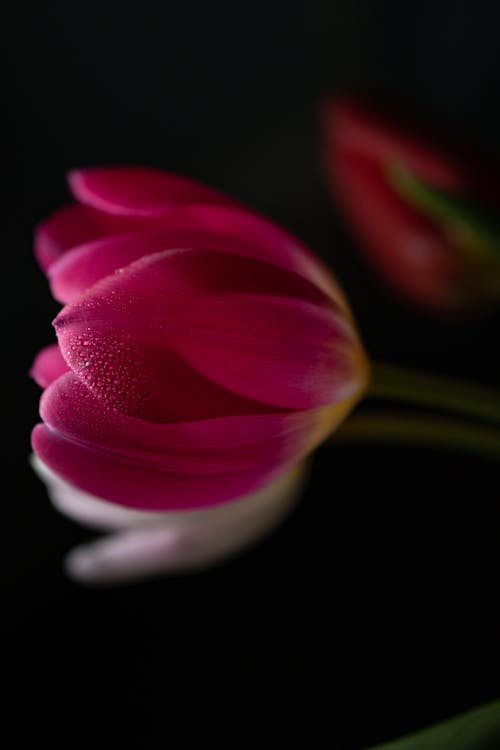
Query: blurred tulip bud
point(426, 218)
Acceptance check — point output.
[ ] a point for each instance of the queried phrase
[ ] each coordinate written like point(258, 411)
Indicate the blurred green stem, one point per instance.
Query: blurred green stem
point(416, 429)
point(401, 384)
point(478, 729)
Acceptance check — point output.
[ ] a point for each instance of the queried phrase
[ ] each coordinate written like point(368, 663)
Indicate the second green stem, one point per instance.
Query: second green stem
point(401, 384)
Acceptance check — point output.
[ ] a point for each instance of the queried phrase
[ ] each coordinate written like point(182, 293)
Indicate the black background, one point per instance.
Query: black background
point(374, 604)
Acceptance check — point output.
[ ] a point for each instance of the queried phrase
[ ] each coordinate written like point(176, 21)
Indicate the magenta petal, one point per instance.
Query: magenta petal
point(83, 266)
point(65, 228)
point(192, 272)
point(128, 483)
point(138, 191)
point(285, 352)
point(281, 352)
point(257, 237)
point(149, 382)
point(74, 225)
point(254, 442)
point(49, 365)
point(228, 227)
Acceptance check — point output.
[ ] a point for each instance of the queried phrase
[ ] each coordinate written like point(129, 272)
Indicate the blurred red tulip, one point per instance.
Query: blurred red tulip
point(427, 218)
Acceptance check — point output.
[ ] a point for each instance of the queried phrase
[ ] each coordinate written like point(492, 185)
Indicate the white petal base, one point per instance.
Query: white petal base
point(146, 544)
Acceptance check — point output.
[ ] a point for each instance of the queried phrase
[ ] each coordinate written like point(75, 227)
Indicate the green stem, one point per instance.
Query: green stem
point(478, 729)
point(401, 384)
point(414, 429)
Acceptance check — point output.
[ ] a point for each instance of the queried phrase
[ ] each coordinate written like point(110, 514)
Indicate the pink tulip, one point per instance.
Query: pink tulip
point(203, 353)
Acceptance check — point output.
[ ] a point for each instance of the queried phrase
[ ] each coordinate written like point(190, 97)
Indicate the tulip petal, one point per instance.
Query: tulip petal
point(260, 238)
point(137, 485)
point(130, 555)
point(209, 446)
point(229, 228)
point(137, 191)
point(84, 265)
point(280, 352)
point(66, 228)
point(119, 338)
point(171, 542)
point(49, 364)
point(215, 272)
point(100, 514)
point(71, 226)
point(160, 466)
point(90, 510)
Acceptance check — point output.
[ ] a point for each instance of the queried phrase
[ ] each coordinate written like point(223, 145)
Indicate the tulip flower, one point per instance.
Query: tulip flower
point(203, 353)
point(427, 219)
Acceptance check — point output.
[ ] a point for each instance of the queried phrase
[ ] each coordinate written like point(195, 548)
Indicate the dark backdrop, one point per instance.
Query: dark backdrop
point(374, 604)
